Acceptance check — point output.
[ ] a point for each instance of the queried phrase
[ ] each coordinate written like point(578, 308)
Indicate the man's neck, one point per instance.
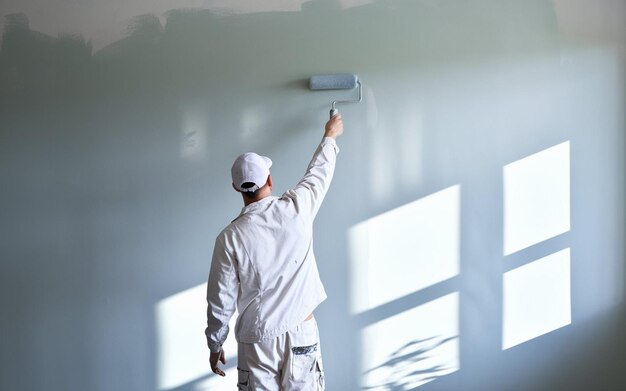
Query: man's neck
point(247, 201)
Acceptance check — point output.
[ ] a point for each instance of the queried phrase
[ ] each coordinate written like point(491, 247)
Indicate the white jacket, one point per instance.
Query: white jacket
point(263, 261)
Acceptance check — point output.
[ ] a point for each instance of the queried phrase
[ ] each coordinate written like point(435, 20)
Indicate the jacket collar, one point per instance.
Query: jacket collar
point(256, 205)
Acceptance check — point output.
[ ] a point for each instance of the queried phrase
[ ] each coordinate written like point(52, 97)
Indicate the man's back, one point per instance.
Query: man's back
point(264, 260)
point(278, 276)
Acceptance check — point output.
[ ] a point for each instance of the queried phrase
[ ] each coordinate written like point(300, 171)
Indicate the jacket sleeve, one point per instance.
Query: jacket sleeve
point(222, 290)
point(309, 193)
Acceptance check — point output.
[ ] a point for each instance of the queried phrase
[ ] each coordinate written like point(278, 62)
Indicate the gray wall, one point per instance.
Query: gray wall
point(114, 172)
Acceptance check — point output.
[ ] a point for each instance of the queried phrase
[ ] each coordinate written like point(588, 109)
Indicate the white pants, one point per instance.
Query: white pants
point(291, 361)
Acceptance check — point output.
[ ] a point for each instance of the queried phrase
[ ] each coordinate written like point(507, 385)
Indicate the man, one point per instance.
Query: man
point(263, 264)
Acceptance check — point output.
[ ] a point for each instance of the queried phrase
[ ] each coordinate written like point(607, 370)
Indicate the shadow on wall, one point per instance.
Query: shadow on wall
point(402, 366)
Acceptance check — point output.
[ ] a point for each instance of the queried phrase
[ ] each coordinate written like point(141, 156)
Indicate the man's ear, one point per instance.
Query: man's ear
point(237, 190)
point(269, 180)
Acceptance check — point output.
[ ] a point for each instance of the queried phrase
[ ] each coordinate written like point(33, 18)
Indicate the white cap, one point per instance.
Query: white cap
point(250, 167)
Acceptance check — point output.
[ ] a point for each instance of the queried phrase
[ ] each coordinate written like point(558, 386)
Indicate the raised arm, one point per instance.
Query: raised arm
point(309, 193)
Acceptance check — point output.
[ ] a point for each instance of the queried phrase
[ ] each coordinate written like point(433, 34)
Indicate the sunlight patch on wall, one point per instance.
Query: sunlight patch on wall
point(182, 352)
point(412, 348)
point(536, 198)
point(405, 250)
point(536, 299)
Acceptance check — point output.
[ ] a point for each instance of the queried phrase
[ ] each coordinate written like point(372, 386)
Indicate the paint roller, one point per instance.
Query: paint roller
point(343, 81)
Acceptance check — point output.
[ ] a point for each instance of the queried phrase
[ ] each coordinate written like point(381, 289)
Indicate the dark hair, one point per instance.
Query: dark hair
point(250, 194)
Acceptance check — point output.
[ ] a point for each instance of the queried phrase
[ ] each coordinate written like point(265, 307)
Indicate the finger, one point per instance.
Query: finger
point(223, 358)
point(220, 372)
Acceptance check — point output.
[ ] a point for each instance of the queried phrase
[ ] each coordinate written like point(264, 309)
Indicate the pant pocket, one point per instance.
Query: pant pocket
point(303, 362)
point(321, 381)
point(243, 379)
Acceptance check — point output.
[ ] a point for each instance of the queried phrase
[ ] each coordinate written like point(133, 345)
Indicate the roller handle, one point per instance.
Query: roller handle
point(333, 112)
